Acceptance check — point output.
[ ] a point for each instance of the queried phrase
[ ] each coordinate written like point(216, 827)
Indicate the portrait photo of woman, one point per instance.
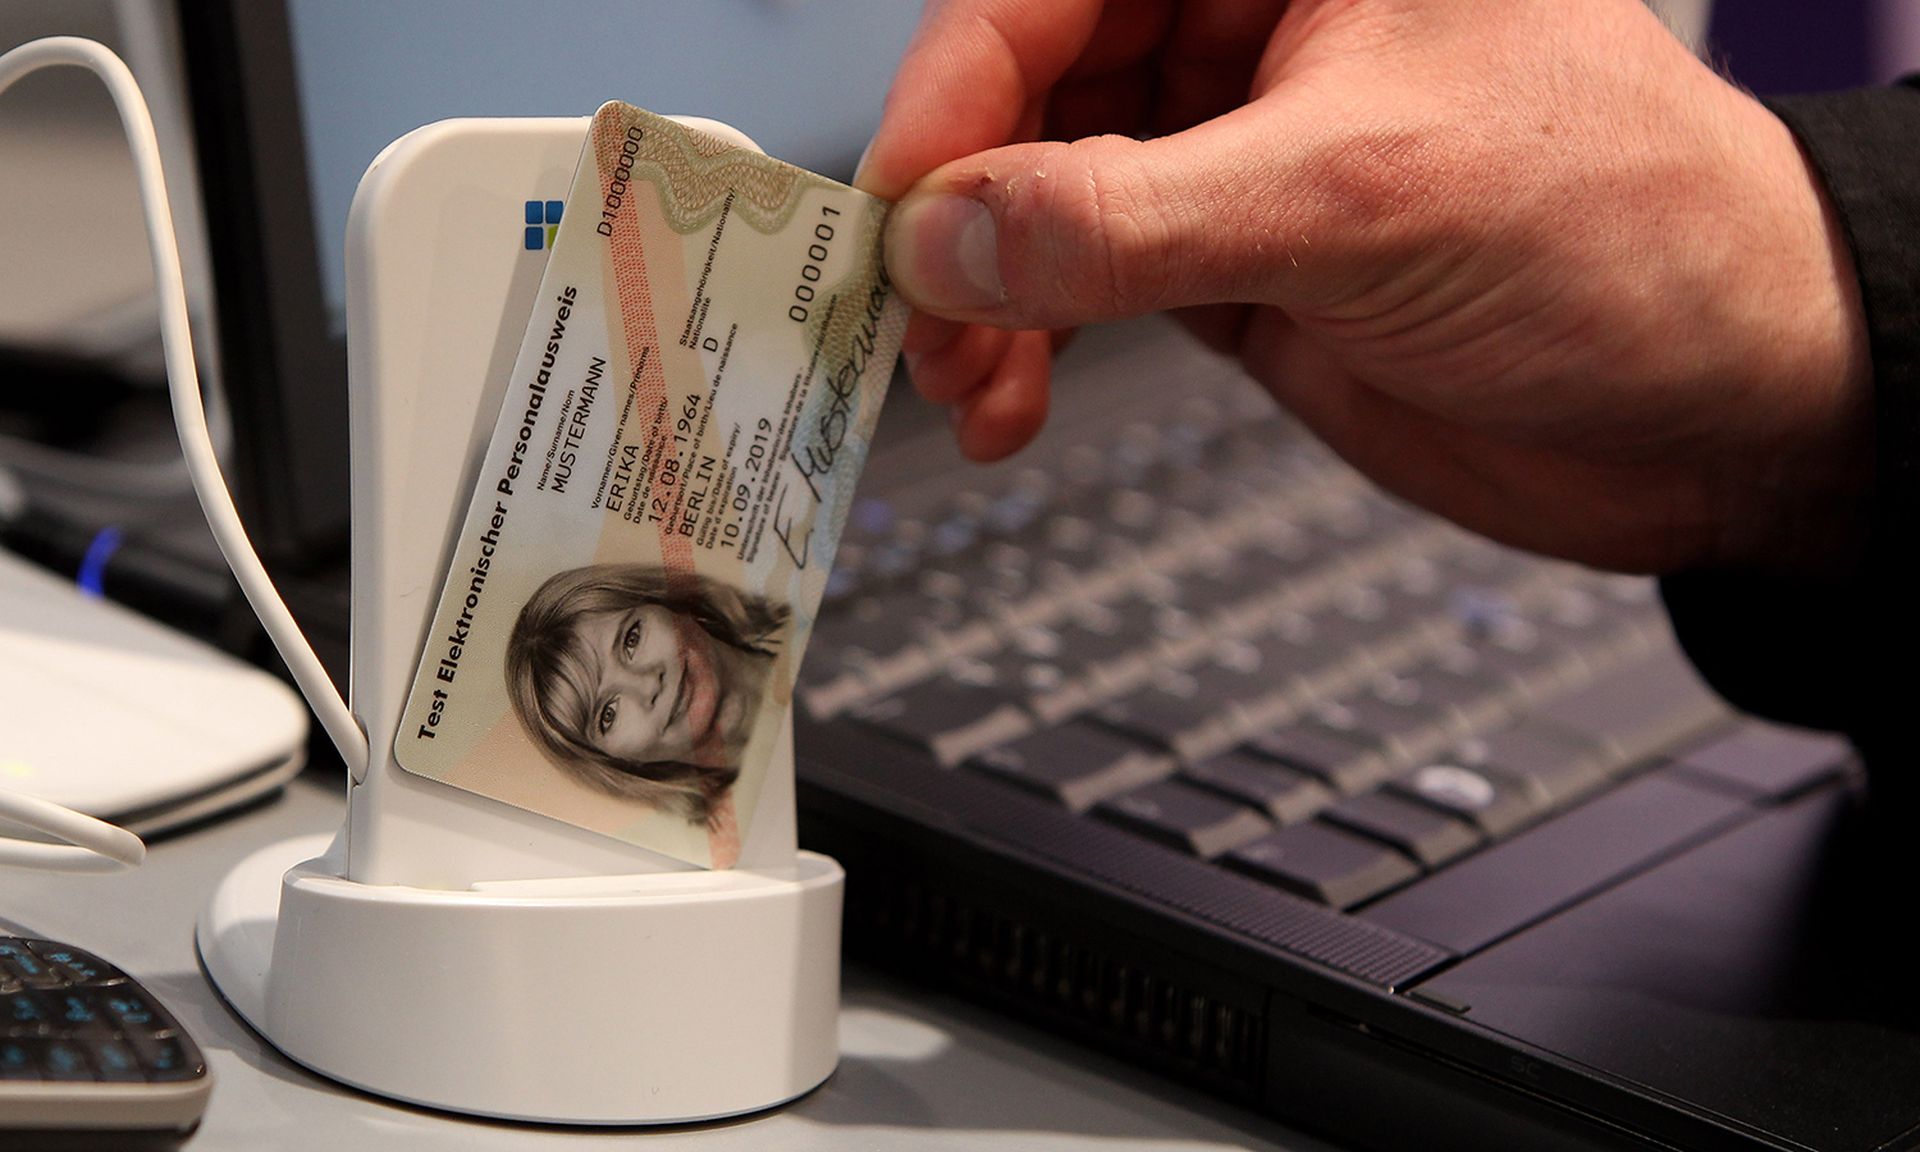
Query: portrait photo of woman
point(643, 686)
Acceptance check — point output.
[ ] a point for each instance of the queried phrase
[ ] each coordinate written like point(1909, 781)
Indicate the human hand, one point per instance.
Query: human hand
point(1526, 263)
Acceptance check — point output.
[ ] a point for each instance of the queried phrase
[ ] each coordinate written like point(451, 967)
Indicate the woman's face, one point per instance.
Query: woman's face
point(658, 686)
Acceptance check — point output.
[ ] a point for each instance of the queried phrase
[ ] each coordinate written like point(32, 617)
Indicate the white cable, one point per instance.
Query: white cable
point(90, 845)
point(190, 419)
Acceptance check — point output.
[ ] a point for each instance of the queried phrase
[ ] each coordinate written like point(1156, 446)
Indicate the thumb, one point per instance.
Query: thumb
point(1056, 235)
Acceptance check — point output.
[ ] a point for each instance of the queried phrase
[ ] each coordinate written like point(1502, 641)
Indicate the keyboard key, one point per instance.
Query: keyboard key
point(1038, 593)
point(1508, 886)
point(1476, 562)
point(114, 1061)
point(1325, 864)
point(65, 1060)
point(1395, 711)
point(165, 1055)
point(829, 697)
point(875, 627)
point(1494, 804)
point(28, 970)
point(76, 966)
point(1419, 580)
point(1258, 692)
point(1179, 637)
point(77, 1010)
point(1013, 672)
point(1361, 519)
point(1554, 769)
point(871, 517)
point(1278, 545)
point(1105, 645)
point(1475, 703)
point(902, 554)
point(1133, 514)
point(19, 1059)
point(128, 1011)
point(1220, 579)
point(1027, 671)
point(843, 583)
point(958, 640)
point(873, 646)
point(1063, 536)
point(943, 584)
point(1636, 592)
point(1185, 818)
point(1295, 647)
point(1596, 628)
point(1015, 510)
point(1337, 758)
point(948, 719)
point(1416, 607)
point(1076, 765)
point(1637, 709)
point(1189, 715)
point(1285, 795)
point(28, 1012)
point(1512, 648)
point(1415, 829)
point(1769, 761)
point(1456, 662)
point(1360, 622)
point(1190, 490)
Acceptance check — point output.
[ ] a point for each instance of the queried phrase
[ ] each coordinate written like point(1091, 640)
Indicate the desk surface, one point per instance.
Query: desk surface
point(917, 1071)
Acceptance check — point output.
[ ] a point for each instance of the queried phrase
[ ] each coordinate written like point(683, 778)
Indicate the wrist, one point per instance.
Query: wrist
point(1799, 500)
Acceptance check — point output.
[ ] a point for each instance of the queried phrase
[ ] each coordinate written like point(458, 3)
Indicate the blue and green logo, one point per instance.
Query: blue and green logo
point(543, 220)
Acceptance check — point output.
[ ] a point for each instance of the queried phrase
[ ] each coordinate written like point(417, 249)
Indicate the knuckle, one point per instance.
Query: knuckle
point(1100, 242)
point(1376, 179)
point(1375, 204)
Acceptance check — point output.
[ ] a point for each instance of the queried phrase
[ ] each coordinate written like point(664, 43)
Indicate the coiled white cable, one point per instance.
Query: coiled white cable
point(84, 835)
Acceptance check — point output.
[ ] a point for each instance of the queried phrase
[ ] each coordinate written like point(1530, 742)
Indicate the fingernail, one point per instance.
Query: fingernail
point(944, 253)
point(860, 167)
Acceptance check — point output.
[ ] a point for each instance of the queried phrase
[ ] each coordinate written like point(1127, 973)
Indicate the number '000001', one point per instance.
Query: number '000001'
point(810, 273)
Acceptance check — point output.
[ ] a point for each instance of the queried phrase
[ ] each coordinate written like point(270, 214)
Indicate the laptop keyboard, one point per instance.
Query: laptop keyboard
point(1210, 633)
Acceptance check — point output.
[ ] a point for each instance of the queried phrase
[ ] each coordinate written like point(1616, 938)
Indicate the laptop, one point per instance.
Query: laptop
point(1171, 733)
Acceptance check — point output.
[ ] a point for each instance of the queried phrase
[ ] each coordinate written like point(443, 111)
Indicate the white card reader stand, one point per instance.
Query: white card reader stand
point(445, 949)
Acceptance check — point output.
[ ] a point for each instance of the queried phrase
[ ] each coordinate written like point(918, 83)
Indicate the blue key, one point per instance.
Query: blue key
point(79, 963)
point(166, 1058)
point(17, 1061)
point(117, 1062)
point(66, 1061)
point(129, 1011)
point(29, 969)
point(26, 1009)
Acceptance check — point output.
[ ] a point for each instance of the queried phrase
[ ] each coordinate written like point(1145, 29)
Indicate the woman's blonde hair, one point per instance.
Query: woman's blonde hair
point(551, 683)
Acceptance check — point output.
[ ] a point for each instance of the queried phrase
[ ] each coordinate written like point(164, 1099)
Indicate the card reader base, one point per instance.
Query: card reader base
point(646, 999)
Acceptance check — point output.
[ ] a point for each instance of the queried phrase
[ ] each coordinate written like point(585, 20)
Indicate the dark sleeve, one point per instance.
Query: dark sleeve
point(1832, 653)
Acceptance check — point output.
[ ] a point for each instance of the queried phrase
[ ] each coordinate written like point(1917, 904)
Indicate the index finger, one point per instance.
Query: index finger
point(967, 78)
